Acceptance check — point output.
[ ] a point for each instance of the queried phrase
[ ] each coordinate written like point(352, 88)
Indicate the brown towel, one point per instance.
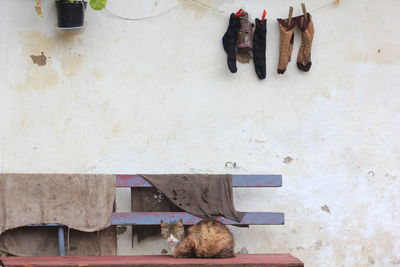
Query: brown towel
point(43, 241)
point(81, 201)
point(202, 195)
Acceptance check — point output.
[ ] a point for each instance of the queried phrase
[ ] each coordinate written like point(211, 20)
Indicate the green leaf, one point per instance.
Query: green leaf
point(98, 4)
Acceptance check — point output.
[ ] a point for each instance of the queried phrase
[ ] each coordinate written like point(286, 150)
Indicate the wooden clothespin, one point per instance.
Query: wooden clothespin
point(303, 6)
point(290, 15)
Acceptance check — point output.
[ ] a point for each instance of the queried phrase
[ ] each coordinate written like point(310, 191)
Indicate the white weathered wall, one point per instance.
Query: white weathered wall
point(155, 96)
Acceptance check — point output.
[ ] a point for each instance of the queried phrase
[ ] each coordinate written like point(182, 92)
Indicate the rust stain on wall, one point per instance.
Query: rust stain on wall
point(39, 78)
point(44, 51)
point(23, 121)
point(116, 128)
point(200, 9)
point(71, 64)
point(96, 73)
point(384, 54)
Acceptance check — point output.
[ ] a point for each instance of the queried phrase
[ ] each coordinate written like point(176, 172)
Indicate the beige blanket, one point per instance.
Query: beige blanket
point(80, 201)
point(43, 241)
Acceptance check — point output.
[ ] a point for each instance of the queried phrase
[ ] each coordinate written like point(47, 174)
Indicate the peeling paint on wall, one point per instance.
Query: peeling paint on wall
point(39, 60)
point(287, 160)
point(326, 209)
point(230, 165)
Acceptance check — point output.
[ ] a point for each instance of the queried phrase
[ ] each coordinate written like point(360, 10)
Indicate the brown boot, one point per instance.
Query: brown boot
point(285, 43)
point(307, 33)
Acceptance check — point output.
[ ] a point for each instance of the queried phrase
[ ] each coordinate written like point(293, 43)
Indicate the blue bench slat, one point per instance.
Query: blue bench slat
point(154, 218)
point(237, 181)
point(256, 180)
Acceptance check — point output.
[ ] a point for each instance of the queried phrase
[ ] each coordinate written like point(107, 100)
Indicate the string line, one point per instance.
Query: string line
point(200, 3)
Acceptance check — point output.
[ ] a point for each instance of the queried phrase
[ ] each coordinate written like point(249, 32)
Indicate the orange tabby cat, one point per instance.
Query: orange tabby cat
point(206, 239)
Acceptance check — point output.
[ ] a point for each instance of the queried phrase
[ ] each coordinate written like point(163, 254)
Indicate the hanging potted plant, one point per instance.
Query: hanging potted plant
point(71, 13)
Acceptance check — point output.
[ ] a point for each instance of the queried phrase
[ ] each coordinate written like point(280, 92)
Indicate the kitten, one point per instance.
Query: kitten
point(206, 239)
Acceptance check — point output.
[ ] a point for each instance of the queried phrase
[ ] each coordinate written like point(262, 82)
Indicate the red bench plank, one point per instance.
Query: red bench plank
point(265, 260)
point(135, 180)
point(154, 218)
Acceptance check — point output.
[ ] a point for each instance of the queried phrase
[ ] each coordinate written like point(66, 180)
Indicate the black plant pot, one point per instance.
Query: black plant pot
point(70, 14)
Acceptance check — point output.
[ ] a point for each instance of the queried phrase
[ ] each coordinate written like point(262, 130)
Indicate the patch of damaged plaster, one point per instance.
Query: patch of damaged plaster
point(388, 175)
point(288, 160)
point(318, 245)
point(39, 60)
point(60, 49)
point(371, 260)
point(231, 165)
point(326, 209)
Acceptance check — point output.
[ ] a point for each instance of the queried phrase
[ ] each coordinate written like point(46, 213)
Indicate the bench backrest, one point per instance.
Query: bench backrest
point(154, 218)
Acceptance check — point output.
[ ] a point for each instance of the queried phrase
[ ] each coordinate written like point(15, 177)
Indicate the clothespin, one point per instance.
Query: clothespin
point(290, 15)
point(303, 6)
point(239, 13)
point(263, 16)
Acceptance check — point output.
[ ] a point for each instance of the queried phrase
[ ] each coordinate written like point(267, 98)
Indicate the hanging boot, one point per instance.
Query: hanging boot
point(259, 46)
point(285, 42)
point(229, 41)
point(307, 33)
point(245, 38)
point(245, 34)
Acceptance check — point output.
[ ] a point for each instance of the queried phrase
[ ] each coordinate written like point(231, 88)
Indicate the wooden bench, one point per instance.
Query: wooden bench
point(154, 218)
point(259, 260)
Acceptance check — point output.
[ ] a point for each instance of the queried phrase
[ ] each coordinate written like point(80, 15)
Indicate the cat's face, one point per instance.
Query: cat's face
point(172, 232)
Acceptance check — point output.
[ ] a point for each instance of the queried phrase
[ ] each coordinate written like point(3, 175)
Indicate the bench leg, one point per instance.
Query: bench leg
point(61, 241)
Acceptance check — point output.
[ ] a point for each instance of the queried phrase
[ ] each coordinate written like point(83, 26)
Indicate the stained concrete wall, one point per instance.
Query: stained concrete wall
point(155, 96)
